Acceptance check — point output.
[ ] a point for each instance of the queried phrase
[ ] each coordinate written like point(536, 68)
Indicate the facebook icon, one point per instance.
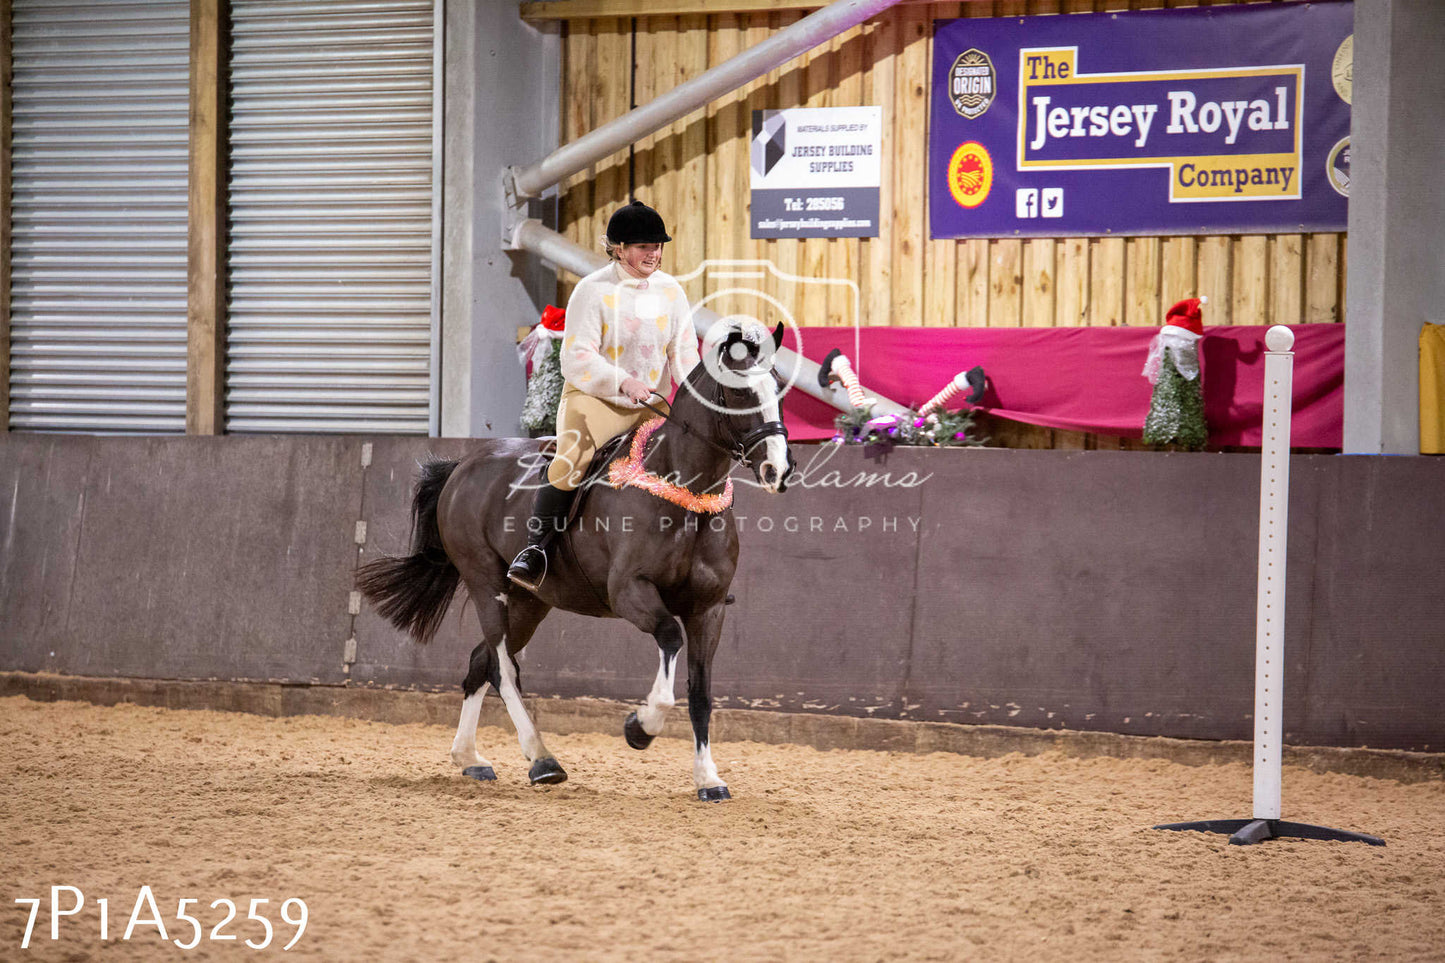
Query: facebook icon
point(1026, 202)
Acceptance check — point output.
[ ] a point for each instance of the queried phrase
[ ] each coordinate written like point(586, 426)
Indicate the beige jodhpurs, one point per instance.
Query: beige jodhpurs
point(584, 423)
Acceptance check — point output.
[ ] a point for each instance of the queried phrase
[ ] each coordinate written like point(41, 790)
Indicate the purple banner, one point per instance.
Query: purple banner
point(1216, 120)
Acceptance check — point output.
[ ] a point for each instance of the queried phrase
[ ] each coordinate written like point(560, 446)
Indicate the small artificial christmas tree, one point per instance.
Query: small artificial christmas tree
point(543, 347)
point(1176, 409)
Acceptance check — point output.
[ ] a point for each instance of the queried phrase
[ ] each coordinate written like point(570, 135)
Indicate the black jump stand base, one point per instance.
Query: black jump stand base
point(1247, 832)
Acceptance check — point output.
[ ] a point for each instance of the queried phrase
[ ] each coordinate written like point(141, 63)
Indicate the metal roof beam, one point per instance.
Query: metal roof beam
point(812, 30)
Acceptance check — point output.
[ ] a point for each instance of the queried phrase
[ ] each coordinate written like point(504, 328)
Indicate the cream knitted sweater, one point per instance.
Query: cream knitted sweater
point(619, 327)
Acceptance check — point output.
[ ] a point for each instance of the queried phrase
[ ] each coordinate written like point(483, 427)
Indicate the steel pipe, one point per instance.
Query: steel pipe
point(561, 251)
point(531, 235)
point(812, 30)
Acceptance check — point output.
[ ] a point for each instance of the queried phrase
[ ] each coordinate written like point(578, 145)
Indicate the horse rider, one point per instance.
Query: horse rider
point(628, 328)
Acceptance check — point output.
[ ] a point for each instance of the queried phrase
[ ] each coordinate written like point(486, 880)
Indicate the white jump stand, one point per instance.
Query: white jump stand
point(1269, 620)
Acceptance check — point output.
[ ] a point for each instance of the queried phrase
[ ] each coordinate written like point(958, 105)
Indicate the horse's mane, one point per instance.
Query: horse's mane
point(698, 374)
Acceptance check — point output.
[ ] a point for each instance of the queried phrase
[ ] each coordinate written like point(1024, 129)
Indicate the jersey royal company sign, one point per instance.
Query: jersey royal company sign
point(1201, 120)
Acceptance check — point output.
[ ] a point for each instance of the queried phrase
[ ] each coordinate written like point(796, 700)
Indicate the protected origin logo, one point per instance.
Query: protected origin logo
point(1338, 167)
point(971, 83)
point(970, 174)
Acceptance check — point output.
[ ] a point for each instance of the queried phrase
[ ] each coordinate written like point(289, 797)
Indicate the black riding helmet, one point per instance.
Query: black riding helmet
point(636, 223)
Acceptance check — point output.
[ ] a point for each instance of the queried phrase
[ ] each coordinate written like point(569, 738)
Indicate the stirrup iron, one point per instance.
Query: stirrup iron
point(531, 587)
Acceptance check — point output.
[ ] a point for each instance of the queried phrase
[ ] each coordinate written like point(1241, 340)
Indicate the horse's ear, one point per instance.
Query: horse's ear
point(725, 353)
point(778, 336)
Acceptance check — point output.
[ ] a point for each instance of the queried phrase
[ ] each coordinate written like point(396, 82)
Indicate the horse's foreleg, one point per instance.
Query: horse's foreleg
point(703, 633)
point(640, 603)
point(646, 723)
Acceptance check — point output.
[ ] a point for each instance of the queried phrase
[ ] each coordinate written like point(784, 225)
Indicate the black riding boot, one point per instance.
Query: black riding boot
point(549, 517)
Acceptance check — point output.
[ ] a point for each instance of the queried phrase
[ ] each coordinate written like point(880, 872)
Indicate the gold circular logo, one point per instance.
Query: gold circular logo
point(1342, 71)
point(1338, 167)
point(970, 174)
point(971, 83)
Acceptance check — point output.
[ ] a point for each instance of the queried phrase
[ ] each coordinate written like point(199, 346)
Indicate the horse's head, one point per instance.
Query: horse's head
point(746, 394)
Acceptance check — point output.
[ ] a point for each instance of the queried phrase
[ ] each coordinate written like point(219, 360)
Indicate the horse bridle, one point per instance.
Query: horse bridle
point(742, 446)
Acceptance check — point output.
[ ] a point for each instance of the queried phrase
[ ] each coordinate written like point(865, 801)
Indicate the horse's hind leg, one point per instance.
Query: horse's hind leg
point(640, 603)
point(524, 613)
point(508, 621)
point(474, 686)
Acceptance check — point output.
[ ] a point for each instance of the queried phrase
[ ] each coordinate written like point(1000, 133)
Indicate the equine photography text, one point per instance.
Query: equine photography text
point(766, 524)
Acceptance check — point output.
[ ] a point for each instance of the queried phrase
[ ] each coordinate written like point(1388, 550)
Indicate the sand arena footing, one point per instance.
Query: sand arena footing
point(564, 716)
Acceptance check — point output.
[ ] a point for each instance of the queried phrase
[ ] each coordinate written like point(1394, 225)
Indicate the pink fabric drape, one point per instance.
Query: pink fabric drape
point(1084, 379)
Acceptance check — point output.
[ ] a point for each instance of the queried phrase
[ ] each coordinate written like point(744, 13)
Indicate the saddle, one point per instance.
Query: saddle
point(596, 472)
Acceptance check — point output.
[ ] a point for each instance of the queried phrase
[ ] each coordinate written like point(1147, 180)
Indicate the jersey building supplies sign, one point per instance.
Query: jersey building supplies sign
point(1194, 121)
point(816, 171)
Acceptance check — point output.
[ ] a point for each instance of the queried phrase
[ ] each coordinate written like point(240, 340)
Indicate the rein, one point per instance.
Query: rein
point(742, 446)
point(732, 454)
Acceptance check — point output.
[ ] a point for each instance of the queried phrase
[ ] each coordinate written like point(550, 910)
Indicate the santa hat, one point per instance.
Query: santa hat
point(553, 318)
point(551, 328)
point(1186, 315)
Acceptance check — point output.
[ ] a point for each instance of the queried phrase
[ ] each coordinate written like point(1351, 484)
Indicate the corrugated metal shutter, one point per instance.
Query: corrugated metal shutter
point(331, 216)
point(98, 288)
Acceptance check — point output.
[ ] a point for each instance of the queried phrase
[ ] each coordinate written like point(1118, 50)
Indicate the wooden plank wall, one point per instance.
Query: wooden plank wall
point(696, 173)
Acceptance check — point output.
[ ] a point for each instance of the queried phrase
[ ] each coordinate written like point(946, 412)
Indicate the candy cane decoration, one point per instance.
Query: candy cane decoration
point(959, 382)
point(844, 368)
point(836, 367)
point(963, 379)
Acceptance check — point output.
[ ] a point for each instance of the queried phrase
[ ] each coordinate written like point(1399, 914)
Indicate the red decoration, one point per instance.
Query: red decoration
point(554, 318)
point(1186, 315)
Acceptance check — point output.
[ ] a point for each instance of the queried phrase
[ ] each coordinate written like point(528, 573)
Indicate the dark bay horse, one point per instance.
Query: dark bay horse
point(666, 569)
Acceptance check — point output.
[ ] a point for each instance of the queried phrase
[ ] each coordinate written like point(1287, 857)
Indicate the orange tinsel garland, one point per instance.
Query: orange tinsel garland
point(629, 471)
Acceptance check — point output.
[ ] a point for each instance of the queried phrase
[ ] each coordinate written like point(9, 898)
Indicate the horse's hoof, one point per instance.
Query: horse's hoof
point(481, 773)
point(637, 737)
point(546, 772)
point(714, 794)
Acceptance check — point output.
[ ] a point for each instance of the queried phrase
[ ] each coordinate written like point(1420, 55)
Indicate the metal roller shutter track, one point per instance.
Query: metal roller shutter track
point(331, 216)
point(98, 278)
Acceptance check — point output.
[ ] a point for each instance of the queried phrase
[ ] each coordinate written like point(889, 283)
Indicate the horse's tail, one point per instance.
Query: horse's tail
point(413, 593)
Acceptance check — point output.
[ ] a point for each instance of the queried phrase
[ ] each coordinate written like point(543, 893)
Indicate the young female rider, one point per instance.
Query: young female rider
point(629, 327)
